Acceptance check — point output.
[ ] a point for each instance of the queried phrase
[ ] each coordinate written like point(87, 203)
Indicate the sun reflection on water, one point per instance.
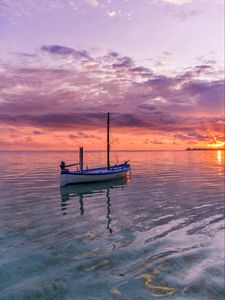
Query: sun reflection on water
point(219, 156)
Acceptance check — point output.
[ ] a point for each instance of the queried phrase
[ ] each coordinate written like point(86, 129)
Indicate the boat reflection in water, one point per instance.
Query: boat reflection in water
point(92, 189)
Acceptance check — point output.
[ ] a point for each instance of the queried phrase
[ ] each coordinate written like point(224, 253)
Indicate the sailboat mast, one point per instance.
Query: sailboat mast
point(108, 144)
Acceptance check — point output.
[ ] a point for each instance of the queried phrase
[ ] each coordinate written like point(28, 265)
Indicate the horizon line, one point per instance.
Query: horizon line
point(123, 150)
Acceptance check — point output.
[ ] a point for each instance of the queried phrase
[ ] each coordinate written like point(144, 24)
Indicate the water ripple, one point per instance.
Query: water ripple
point(158, 233)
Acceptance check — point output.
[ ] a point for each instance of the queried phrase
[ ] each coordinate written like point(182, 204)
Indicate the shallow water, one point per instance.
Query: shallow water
point(160, 232)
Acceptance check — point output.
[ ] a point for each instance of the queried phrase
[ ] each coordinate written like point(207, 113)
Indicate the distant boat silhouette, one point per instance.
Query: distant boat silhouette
point(93, 175)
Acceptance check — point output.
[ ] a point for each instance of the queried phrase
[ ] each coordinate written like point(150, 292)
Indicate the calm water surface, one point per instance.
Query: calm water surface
point(159, 233)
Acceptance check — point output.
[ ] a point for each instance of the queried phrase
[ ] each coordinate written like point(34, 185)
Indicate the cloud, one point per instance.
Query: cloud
point(191, 136)
point(176, 2)
point(187, 105)
point(208, 96)
point(157, 142)
point(94, 3)
point(36, 132)
point(167, 53)
point(124, 62)
point(194, 137)
point(64, 51)
point(183, 15)
point(111, 13)
point(82, 135)
point(13, 11)
point(185, 2)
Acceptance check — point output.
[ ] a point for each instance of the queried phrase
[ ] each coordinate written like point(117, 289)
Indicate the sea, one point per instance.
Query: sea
point(158, 233)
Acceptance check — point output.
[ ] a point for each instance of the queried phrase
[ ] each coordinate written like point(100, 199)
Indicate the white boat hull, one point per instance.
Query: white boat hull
point(92, 175)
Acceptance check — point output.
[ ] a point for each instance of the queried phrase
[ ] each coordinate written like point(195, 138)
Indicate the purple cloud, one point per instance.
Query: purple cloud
point(64, 51)
point(36, 132)
point(77, 96)
point(124, 62)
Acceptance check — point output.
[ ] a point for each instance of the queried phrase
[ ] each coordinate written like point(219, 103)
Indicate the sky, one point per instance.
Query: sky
point(156, 65)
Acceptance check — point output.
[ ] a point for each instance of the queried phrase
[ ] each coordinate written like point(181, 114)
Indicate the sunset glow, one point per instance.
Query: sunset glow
point(156, 66)
point(218, 144)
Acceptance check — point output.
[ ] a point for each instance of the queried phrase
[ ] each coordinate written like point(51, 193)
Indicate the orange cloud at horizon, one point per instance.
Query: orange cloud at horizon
point(30, 138)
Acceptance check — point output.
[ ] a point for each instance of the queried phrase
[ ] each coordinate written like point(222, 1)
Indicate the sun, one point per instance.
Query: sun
point(218, 144)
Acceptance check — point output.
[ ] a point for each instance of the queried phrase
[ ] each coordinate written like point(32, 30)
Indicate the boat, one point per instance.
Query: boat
point(82, 175)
